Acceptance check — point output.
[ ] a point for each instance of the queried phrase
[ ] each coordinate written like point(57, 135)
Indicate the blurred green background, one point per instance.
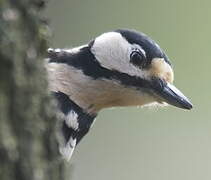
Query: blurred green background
point(143, 143)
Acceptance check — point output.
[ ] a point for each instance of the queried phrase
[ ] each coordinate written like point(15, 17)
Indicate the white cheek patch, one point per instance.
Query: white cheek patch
point(113, 52)
point(159, 68)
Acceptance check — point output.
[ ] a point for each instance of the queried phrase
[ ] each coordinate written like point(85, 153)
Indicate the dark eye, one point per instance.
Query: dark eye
point(138, 59)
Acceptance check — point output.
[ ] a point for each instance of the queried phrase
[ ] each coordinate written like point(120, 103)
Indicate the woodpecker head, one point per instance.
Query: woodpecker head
point(119, 68)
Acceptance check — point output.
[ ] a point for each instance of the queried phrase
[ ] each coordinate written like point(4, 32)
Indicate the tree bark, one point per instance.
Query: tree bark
point(28, 145)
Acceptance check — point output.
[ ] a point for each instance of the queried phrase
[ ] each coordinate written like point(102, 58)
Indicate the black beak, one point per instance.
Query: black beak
point(171, 95)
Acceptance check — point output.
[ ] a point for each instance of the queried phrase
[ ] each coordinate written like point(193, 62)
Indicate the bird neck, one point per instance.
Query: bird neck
point(75, 117)
point(66, 104)
point(74, 124)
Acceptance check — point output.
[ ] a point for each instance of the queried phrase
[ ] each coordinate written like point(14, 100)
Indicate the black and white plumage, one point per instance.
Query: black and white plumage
point(119, 68)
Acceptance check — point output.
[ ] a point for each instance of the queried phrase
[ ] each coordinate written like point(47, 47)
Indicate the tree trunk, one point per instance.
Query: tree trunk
point(28, 146)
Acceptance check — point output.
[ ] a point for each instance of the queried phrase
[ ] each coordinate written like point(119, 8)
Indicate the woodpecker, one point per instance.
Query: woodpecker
point(118, 68)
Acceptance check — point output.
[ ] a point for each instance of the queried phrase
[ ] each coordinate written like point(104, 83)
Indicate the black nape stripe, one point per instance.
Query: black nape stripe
point(85, 61)
point(85, 120)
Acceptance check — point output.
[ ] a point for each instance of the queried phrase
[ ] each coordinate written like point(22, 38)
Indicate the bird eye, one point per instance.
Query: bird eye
point(137, 58)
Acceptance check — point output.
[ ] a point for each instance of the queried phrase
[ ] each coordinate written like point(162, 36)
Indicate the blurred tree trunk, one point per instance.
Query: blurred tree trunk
point(28, 147)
